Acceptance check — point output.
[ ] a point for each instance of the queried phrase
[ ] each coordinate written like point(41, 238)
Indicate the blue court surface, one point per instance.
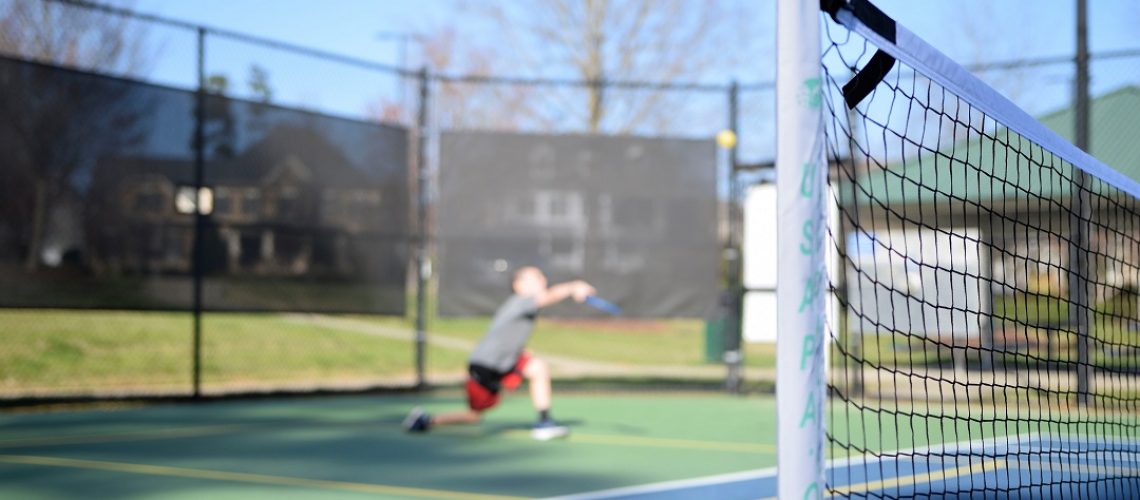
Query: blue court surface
point(1026, 466)
point(621, 446)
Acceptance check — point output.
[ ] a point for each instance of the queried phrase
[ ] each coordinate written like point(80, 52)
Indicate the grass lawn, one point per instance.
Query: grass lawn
point(665, 342)
point(52, 351)
point(62, 351)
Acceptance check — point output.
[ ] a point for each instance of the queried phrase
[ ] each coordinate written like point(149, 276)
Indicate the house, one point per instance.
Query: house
point(998, 229)
point(290, 204)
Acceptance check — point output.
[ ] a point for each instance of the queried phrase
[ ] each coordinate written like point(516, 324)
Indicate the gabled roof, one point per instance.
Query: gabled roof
point(1003, 166)
point(1114, 128)
point(284, 147)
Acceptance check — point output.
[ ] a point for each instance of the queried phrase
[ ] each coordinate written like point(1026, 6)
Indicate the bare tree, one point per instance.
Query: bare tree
point(48, 121)
point(259, 85)
point(49, 32)
point(983, 39)
point(604, 40)
point(460, 104)
point(939, 118)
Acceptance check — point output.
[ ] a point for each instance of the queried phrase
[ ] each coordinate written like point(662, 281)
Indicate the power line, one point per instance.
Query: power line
point(375, 66)
point(529, 81)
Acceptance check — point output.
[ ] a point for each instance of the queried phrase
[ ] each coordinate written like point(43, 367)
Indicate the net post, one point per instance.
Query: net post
point(422, 262)
point(801, 295)
point(199, 217)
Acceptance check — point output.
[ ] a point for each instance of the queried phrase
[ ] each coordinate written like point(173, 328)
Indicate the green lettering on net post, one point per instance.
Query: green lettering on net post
point(812, 491)
point(807, 243)
point(810, 95)
point(809, 410)
point(811, 289)
point(811, 343)
point(807, 182)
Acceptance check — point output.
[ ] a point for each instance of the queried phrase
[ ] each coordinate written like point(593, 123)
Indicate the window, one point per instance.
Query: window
point(287, 207)
point(184, 200)
point(251, 202)
point(559, 207)
point(223, 201)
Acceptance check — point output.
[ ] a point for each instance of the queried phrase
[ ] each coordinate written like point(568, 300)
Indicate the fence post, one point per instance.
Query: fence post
point(852, 335)
point(1079, 221)
point(199, 217)
point(733, 357)
point(422, 262)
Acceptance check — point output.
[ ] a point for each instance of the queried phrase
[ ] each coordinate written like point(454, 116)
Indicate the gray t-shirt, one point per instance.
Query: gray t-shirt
point(507, 335)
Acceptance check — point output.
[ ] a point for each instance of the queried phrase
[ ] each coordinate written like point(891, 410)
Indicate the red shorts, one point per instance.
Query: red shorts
point(480, 398)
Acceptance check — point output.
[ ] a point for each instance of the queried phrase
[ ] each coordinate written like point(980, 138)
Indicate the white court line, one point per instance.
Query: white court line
point(771, 471)
point(907, 453)
point(1086, 439)
point(1082, 469)
point(672, 485)
point(904, 454)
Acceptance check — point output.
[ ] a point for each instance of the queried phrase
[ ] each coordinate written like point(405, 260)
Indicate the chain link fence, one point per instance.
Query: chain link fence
point(173, 222)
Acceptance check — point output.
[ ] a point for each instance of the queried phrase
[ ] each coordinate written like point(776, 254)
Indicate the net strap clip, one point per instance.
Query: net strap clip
point(865, 81)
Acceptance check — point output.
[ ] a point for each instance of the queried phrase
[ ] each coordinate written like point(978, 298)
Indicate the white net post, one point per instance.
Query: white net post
point(801, 278)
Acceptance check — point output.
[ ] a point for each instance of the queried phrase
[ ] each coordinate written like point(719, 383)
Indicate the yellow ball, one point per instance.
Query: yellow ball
point(726, 139)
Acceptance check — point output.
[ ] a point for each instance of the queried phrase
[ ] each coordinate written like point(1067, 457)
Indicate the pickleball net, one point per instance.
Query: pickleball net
point(985, 332)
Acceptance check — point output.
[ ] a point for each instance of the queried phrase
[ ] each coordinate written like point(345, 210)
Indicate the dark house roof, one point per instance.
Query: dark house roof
point(283, 145)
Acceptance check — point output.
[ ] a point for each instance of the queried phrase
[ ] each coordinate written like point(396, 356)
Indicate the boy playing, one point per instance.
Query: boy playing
point(500, 362)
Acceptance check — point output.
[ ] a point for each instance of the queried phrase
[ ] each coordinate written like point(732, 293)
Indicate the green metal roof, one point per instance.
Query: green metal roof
point(997, 171)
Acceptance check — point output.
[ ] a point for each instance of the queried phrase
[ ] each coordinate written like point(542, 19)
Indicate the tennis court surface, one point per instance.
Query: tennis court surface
point(349, 447)
point(623, 446)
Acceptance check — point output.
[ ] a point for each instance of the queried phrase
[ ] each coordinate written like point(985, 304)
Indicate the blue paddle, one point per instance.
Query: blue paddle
point(603, 305)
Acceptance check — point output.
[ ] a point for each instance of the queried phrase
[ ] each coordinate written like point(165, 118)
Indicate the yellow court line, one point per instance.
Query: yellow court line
point(179, 432)
point(686, 444)
point(926, 477)
point(242, 477)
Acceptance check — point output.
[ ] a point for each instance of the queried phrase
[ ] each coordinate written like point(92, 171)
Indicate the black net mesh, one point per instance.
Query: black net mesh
point(986, 340)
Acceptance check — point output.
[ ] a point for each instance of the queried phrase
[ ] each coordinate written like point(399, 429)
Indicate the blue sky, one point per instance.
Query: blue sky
point(968, 30)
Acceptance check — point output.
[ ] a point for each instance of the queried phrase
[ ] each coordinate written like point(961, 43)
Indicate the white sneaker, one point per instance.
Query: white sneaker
point(545, 431)
point(417, 420)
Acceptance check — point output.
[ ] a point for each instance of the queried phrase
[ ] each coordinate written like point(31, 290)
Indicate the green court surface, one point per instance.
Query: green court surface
point(349, 447)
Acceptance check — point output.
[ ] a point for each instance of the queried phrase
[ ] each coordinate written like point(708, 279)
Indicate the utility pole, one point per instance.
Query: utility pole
point(733, 356)
point(404, 39)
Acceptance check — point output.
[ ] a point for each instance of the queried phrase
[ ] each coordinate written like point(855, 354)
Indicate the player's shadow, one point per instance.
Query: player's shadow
point(483, 429)
point(516, 427)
